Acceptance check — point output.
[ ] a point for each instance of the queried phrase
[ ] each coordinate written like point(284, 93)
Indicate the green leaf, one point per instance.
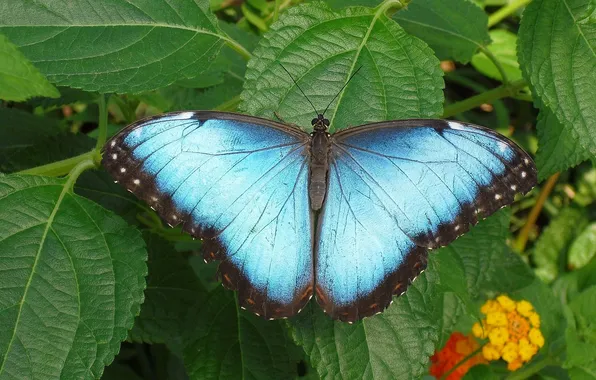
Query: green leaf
point(52, 149)
point(398, 343)
point(485, 257)
point(400, 77)
point(504, 48)
point(19, 79)
point(122, 46)
point(557, 53)
point(67, 96)
point(338, 4)
point(226, 342)
point(581, 335)
point(454, 29)
point(583, 248)
point(98, 186)
point(72, 281)
point(172, 290)
point(558, 146)
point(555, 240)
point(20, 129)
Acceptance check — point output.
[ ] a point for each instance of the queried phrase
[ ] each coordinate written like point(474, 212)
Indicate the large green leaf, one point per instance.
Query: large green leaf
point(558, 146)
point(20, 130)
point(225, 342)
point(485, 257)
point(557, 53)
point(397, 343)
point(119, 46)
point(400, 77)
point(72, 281)
point(19, 79)
point(455, 29)
point(504, 48)
point(172, 290)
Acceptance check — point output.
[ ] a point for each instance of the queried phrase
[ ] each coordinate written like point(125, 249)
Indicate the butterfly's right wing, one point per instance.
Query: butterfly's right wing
point(238, 182)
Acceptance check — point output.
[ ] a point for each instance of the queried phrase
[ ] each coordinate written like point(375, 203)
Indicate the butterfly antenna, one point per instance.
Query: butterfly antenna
point(339, 92)
point(296, 83)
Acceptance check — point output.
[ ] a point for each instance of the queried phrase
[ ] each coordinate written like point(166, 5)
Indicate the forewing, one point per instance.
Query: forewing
point(397, 189)
point(239, 183)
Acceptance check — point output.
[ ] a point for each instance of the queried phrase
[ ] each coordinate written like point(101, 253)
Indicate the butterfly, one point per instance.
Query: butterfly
point(347, 217)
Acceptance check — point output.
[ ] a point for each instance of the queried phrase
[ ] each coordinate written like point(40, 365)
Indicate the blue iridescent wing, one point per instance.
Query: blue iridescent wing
point(239, 183)
point(397, 189)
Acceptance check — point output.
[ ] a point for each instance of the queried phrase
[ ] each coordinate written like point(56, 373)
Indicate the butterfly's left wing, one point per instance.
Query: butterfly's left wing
point(397, 189)
point(237, 181)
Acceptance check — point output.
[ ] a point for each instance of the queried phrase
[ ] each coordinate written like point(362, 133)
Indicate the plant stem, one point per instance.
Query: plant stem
point(103, 122)
point(86, 164)
point(60, 168)
point(489, 54)
point(486, 97)
point(505, 11)
point(236, 46)
point(394, 5)
point(522, 238)
point(276, 10)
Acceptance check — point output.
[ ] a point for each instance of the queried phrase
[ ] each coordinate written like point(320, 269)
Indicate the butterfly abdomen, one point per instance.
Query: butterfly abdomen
point(319, 166)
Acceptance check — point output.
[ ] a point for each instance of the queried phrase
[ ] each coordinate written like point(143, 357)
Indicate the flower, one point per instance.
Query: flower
point(457, 348)
point(513, 331)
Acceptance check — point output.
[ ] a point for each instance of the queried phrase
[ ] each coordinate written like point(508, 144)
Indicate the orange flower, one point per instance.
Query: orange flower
point(456, 349)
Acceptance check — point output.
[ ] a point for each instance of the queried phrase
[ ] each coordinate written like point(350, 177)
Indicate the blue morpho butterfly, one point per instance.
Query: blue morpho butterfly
point(349, 216)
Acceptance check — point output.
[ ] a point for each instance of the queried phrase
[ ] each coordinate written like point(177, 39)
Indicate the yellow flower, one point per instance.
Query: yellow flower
point(497, 318)
point(479, 331)
point(526, 350)
point(536, 337)
point(491, 352)
point(524, 308)
point(490, 306)
point(510, 352)
point(514, 365)
point(513, 331)
point(506, 303)
point(534, 319)
point(498, 336)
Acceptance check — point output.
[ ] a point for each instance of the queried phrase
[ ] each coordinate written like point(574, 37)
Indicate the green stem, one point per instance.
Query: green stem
point(77, 170)
point(235, 45)
point(486, 97)
point(505, 11)
point(393, 5)
point(103, 122)
point(60, 168)
point(276, 10)
point(489, 54)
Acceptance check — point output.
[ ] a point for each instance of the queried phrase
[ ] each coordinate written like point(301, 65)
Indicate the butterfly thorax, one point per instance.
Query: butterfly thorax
point(319, 162)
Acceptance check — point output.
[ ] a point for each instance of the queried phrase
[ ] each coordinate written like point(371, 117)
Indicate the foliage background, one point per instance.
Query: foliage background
point(85, 266)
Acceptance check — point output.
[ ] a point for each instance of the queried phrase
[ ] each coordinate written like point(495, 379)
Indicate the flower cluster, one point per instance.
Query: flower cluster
point(512, 329)
point(457, 348)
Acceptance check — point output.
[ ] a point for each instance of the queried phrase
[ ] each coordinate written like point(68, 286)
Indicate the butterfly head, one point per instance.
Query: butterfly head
point(320, 123)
